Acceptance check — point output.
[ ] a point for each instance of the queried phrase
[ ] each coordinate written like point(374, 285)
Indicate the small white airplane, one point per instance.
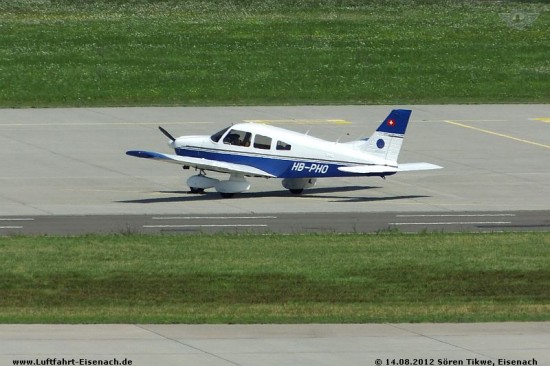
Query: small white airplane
point(258, 150)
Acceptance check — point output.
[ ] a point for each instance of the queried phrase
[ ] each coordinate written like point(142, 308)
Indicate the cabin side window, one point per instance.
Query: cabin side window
point(238, 138)
point(283, 145)
point(218, 135)
point(262, 142)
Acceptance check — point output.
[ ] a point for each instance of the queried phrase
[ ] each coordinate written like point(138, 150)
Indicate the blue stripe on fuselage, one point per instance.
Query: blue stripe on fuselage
point(279, 166)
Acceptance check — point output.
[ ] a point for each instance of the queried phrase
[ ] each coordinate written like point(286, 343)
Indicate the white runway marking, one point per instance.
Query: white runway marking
point(454, 223)
point(182, 226)
point(458, 215)
point(14, 219)
point(17, 219)
point(214, 218)
point(466, 215)
point(203, 225)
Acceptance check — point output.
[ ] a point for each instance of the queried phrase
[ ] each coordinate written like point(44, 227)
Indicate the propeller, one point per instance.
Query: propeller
point(167, 134)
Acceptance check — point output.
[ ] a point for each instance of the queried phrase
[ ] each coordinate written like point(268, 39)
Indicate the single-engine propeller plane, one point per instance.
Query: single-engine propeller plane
point(258, 150)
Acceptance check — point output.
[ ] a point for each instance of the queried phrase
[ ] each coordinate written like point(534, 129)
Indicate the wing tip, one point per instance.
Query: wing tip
point(144, 154)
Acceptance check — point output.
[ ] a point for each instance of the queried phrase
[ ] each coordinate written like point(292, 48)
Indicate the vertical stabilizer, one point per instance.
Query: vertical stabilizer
point(386, 141)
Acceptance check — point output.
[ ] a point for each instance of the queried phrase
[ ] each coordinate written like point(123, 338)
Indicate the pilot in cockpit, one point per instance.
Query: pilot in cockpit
point(232, 139)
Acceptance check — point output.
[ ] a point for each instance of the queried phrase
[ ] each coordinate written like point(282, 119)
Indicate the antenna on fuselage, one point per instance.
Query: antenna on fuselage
point(338, 139)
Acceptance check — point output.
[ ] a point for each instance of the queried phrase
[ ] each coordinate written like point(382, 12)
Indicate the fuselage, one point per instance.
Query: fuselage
point(280, 152)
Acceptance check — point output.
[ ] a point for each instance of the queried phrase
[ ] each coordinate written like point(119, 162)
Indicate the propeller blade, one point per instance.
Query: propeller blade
point(167, 134)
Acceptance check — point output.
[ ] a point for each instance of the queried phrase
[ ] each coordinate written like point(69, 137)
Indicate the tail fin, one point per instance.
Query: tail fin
point(386, 141)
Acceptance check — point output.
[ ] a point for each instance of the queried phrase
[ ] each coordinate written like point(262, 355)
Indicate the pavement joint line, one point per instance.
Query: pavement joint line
point(188, 345)
point(497, 134)
point(433, 338)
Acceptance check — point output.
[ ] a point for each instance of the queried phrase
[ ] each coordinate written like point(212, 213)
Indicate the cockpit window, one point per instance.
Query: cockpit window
point(218, 135)
point(283, 146)
point(262, 142)
point(238, 138)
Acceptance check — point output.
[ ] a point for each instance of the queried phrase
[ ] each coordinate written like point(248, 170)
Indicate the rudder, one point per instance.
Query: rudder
point(386, 141)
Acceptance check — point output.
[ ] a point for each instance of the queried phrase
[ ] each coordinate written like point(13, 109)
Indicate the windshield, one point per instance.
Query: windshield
point(218, 135)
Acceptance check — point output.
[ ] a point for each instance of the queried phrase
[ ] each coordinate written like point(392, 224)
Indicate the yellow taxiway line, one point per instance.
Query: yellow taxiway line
point(301, 121)
point(498, 134)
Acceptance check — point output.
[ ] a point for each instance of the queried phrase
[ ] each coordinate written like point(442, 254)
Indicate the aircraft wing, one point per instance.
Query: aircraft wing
point(199, 163)
point(381, 169)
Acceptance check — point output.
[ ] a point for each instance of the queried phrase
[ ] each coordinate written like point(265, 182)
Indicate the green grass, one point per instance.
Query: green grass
point(87, 53)
point(275, 278)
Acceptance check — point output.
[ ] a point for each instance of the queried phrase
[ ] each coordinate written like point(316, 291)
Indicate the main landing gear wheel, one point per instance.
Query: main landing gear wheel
point(297, 185)
point(235, 184)
point(196, 190)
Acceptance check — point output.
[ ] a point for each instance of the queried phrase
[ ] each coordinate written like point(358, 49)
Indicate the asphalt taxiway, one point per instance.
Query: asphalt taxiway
point(286, 223)
point(314, 344)
point(496, 158)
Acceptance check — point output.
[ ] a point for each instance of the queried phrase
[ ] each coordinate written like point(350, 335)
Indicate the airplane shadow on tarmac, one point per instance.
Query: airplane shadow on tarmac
point(335, 194)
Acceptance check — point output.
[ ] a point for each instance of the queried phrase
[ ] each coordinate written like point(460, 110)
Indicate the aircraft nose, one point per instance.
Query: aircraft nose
point(181, 142)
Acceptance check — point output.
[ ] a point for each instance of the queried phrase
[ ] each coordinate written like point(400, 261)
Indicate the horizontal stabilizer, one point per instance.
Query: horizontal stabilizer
point(381, 169)
point(206, 164)
point(409, 167)
point(368, 169)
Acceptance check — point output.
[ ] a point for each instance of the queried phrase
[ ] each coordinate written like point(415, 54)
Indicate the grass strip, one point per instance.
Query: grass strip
point(103, 53)
point(325, 278)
